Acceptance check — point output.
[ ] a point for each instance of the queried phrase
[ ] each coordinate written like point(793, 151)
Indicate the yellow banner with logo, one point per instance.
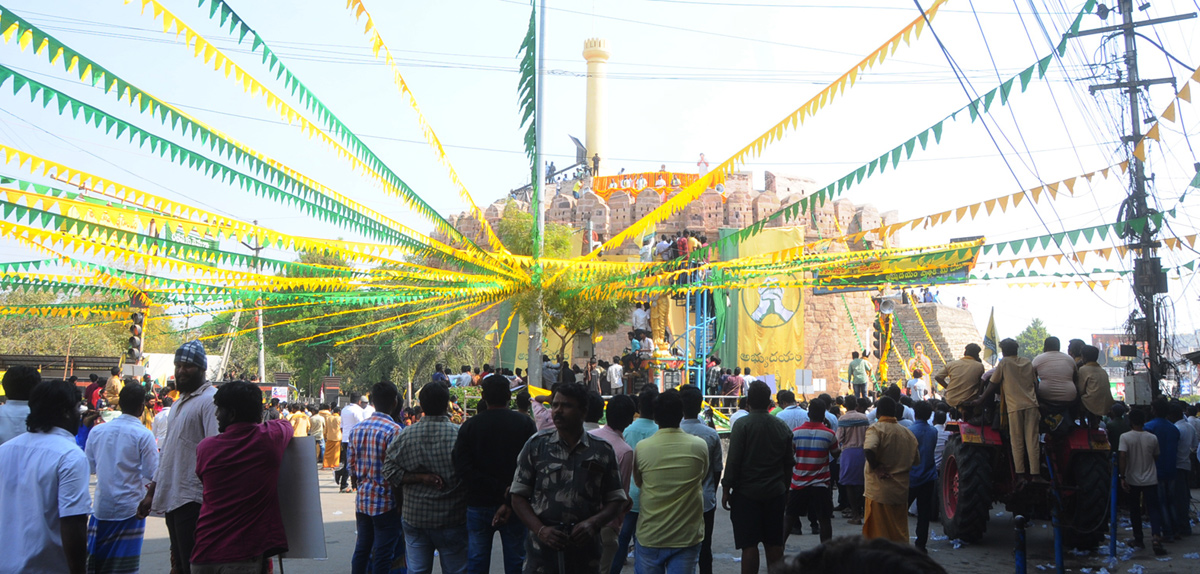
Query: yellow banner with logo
point(770, 320)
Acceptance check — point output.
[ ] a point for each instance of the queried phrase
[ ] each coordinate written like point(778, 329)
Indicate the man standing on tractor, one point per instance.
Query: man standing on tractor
point(1014, 378)
point(891, 452)
point(961, 377)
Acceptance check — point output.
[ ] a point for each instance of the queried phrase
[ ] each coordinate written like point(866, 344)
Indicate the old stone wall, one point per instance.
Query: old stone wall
point(951, 328)
point(830, 326)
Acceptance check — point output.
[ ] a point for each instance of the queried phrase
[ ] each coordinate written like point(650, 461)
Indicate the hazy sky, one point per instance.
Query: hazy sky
point(685, 77)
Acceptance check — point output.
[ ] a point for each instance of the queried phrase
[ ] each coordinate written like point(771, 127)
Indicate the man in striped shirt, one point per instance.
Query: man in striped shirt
point(810, 496)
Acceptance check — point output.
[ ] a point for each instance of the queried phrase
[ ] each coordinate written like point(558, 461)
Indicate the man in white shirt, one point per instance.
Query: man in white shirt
point(646, 251)
point(463, 378)
point(616, 375)
point(790, 413)
point(1056, 373)
point(352, 414)
point(1138, 452)
point(176, 490)
point(44, 501)
point(918, 387)
point(641, 318)
point(660, 249)
point(18, 383)
point(648, 345)
point(747, 378)
point(159, 424)
point(123, 455)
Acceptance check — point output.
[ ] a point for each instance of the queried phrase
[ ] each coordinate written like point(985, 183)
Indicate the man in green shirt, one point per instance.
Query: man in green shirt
point(669, 468)
point(860, 374)
point(758, 473)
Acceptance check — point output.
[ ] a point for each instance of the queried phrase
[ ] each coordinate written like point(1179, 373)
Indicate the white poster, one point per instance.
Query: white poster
point(300, 500)
point(770, 381)
point(280, 393)
point(804, 381)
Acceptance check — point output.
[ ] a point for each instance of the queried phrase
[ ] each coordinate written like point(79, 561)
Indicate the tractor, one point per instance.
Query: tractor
point(977, 471)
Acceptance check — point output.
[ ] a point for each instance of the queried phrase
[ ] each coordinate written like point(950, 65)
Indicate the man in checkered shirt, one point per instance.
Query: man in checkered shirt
point(435, 498)
point(375, 510)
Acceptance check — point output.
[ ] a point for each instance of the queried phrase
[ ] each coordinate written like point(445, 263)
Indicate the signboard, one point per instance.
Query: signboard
point(770, 381)
point(806, 384)
point(1137, 389)
point(937, 276)
point(283, 378)
point(934, 267)
point(300, 500)
point(280, 393)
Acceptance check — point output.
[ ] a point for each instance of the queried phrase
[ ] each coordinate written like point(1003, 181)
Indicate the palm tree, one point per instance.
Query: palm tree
point(461, 345)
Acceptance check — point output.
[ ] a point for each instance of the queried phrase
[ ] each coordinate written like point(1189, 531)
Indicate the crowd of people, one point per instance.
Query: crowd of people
point(572, 482)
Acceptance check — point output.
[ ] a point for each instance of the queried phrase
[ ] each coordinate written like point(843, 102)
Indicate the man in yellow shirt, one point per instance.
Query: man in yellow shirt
point(669, 467)
point(112, 390)
point(1094, 389)
point(1015, 379)
point(299, 420)
point(962, 377)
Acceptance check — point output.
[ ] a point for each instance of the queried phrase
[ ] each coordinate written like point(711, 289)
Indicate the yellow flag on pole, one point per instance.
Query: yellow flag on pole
point(991, 340)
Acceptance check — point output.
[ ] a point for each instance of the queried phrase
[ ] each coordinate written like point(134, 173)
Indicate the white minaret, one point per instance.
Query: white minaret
point(595, 51)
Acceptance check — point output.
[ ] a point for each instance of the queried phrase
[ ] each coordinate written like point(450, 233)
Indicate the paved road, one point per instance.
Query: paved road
point(993, 555)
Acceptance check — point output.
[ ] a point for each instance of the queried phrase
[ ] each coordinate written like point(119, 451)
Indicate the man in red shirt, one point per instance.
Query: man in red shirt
point(809, 494)
point(681, 245)
point(240, 525)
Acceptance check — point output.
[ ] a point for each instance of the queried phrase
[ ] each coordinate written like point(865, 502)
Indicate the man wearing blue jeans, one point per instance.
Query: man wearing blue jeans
point(435, 498)
point(1168, 445)
point(485, 458)
point(643, 427)
point(376, 513)
point(669, 468)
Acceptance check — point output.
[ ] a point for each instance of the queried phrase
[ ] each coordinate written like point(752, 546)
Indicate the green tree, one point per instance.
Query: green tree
point(1030, 340)
point(569, 316)
point(566, 316)
point(463, 344)
point(516, 231)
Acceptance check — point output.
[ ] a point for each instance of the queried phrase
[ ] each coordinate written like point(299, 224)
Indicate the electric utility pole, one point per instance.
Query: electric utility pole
point(258, 314)
point(534, 373)
point(1150, 280)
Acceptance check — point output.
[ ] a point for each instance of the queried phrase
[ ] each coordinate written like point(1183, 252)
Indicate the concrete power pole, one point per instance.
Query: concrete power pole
point(258, 314)
point(1150, 279)
point(534, 372)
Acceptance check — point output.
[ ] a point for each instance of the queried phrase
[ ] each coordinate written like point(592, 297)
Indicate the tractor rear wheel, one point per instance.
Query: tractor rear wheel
point(966, 488)
point(1089, 507)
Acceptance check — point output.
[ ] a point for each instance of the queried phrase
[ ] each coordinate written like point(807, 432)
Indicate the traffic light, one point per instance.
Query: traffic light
point(133, 355)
